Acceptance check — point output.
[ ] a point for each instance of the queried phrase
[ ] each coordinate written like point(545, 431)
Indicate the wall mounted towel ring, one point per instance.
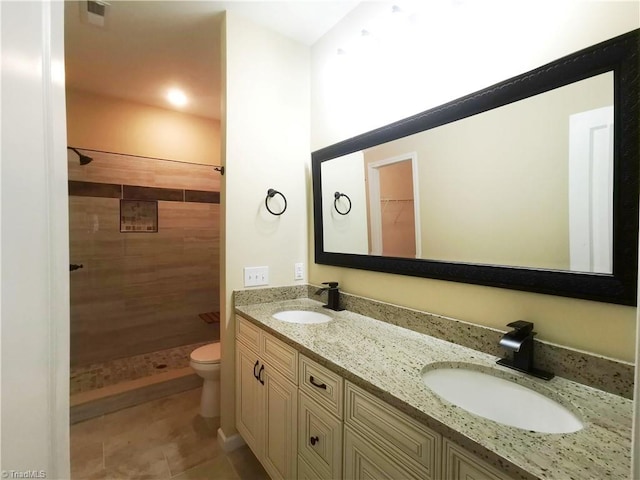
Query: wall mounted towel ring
point(270, 194)
point(337, 196)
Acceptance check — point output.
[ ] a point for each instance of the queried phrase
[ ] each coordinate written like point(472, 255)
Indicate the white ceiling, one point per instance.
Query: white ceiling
point(147, 47)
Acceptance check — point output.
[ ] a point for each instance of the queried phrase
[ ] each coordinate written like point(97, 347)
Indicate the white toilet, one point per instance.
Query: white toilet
point(206, 362)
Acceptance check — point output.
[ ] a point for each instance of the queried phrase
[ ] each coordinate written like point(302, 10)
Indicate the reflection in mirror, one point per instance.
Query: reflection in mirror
point(528, 184)
point(393, 216)
point(345, 233)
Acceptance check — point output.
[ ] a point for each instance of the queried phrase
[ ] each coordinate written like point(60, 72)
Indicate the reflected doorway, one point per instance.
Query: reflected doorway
point(393, 207)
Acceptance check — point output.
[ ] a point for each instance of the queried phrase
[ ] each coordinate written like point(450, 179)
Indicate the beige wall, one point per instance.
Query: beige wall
point(514, 44)
point(113, 125)
point(494, 187)
point(265, 145)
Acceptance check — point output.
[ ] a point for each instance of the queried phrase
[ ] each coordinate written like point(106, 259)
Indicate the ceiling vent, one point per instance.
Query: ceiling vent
point(95, 12)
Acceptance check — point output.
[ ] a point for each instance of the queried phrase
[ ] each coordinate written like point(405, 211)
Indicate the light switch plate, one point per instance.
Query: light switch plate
point(298, 271)
point(256, 276)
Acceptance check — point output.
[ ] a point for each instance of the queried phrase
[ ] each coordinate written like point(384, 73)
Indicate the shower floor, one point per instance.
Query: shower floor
point(106, 387)
point(98, 375)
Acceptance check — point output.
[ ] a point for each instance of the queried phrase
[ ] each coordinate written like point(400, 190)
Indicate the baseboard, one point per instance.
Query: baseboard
point(229, 444)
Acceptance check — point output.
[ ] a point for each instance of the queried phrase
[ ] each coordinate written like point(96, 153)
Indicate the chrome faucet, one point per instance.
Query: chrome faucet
point(333, 295)
point(520, 342)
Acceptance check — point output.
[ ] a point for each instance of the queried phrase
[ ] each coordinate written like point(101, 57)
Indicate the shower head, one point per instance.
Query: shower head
point(84, 159)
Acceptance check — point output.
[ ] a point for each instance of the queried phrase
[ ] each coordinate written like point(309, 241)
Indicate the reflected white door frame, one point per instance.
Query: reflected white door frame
point(591, 190)
point(375, 209)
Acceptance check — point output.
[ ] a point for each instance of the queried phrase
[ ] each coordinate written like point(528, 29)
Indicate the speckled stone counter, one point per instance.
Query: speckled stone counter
point(387, 360)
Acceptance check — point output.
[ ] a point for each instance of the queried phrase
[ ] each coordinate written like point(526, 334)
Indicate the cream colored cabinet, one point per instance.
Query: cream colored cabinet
point(319, 421)
point(364, 459)
point(382, 442)
point(304, 421)
point(280, 397)
point(458, 464)
point(249, 399)
point(266, 398)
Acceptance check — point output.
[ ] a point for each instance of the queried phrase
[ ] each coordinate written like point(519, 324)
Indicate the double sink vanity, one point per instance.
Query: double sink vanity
point(381, 391)
point(338, 394)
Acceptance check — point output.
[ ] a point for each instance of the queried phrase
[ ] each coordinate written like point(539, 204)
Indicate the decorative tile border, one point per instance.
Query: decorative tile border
point(136, 192)
point(201, 196)
point(92, 189)
point(607, 374)
point(152, 193)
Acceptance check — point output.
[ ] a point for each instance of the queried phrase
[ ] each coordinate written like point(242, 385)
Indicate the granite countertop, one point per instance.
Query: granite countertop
point(388, 360)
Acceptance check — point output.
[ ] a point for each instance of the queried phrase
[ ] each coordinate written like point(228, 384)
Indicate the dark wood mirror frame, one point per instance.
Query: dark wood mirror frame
point(619, 55)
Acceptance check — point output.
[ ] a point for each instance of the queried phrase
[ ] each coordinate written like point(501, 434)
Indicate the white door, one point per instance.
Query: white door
point(591, 190)
point(35, 258)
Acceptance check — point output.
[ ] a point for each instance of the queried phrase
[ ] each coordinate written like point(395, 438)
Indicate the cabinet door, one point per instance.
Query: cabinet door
point(319, 438)
point(249, 399)
point(306, 472)
point(412, 444)
point(281, 415)
point(363, 460)
point(458, 464)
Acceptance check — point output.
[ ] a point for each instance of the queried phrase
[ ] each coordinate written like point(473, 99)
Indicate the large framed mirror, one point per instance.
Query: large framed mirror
point(530, 184)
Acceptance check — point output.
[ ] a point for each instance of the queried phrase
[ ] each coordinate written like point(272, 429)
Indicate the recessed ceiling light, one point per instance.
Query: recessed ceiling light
point(177, 97)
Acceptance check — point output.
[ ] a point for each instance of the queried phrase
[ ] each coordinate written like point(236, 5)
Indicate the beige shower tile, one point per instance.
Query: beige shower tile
point(181, 175)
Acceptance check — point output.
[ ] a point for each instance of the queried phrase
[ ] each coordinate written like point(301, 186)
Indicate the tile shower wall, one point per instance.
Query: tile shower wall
point(141, 292)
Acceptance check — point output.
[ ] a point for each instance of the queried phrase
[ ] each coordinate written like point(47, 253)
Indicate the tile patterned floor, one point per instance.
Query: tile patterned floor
point(161, 439)
point(98, 375)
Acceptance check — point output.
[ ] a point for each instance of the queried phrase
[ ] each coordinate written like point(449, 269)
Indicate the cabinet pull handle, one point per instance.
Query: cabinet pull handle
point(254, 369)
point(260, 374)
point(319, 385)
point(314, 440)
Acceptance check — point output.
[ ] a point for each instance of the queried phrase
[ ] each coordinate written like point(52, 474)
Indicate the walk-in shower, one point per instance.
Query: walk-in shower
point(147, 235)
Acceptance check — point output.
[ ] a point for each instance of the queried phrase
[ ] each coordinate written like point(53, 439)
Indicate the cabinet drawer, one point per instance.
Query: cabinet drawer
point(280, 356)
point(319, 438)
point(322, 385)
point(392, 430)
point(458, 464)
point(363, 460)
point(248, 333)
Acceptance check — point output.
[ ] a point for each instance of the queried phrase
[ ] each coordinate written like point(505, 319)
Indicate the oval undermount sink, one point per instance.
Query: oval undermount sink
point(301, 316)
point(500, 400)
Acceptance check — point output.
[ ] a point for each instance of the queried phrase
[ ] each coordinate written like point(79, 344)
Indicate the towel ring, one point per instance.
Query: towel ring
point(270, 194)
point(337, 196)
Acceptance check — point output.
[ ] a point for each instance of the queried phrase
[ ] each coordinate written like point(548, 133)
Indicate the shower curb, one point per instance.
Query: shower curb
point(93, 403)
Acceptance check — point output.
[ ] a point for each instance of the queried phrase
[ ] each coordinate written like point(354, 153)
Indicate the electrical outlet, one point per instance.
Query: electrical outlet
point(298, 271)
point(255, 276)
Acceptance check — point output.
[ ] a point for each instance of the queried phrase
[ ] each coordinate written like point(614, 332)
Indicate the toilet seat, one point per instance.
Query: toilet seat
point(207, 354)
